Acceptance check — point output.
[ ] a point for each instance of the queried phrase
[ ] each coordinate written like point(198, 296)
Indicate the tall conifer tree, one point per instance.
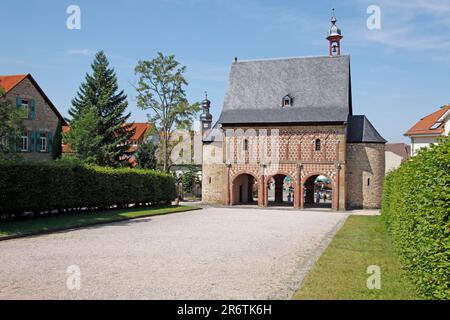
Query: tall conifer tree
point(100, 92)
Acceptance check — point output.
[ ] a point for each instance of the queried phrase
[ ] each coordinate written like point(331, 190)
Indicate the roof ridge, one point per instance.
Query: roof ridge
point(14, 75)
point(292, 58)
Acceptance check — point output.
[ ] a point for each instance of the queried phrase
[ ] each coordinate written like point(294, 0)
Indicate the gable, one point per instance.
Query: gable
point(21, 85)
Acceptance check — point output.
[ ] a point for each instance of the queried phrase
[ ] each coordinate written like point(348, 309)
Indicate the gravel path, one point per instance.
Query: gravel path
point(215, 253)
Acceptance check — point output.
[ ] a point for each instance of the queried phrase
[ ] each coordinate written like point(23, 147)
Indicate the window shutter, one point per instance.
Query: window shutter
point(31, 141)
point(18, 102)
point(49, 142)
point(38, 141)
point(33, 109)
point(18, 143)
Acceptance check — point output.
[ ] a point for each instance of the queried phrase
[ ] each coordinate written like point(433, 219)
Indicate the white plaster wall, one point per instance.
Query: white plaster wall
point(418, 143)
point(393, 161)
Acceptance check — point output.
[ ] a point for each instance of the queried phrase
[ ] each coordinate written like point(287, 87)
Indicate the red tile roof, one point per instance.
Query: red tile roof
point(141, 129)
point(65, 147)
point(423, 127)
point(132, 162)
point(9, 82)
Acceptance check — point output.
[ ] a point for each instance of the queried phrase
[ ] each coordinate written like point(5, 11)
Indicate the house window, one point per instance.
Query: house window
point(24, 142)
point(318, 144)
point(24, 105)
point(43, 142)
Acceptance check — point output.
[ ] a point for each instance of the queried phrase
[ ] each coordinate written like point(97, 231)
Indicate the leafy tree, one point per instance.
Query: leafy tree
point(11, 120)
point(57, 141)
point(100, 93)
point(189, 178)
point(146, 155)
point(83, 137)
point(161, 90)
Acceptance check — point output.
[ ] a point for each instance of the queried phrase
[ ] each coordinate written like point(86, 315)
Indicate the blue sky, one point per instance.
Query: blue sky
point(399, 73)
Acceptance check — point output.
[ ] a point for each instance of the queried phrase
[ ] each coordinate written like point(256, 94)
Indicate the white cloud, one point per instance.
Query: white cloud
point(412, 25)
point(431, 6)
point(408, 38)
point(81, 51)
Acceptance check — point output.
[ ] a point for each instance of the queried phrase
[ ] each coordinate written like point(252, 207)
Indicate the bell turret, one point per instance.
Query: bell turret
point(334, 37)
point(206, 117)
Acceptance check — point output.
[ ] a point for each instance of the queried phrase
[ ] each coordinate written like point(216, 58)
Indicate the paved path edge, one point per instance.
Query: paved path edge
point(304, 267)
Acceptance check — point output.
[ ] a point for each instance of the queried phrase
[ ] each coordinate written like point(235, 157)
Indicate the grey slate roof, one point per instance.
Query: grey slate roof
point(359, 129)
point(319, 86)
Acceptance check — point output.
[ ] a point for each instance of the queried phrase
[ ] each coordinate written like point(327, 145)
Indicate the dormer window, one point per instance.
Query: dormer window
point(287, 101)
point(436, 125)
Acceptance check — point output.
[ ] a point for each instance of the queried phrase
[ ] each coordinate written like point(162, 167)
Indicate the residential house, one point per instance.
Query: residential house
point(141, 131)
point(429, 129)
point(396, 154)
point(41, 116)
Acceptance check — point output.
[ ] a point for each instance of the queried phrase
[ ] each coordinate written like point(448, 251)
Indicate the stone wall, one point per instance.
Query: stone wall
point(213, 174)
point(45, 121)
point(365, 174)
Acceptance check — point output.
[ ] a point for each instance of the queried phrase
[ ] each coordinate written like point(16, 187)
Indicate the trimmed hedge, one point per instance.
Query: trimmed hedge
point(44, 186)
point(416, 209)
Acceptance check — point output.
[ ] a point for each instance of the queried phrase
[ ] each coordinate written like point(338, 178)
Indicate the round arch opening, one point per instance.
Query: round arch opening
point(280, 190)
point(318, 192)
point(244, 190)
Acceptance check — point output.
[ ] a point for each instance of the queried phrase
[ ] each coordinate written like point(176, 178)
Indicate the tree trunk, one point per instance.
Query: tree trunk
point(165, 151)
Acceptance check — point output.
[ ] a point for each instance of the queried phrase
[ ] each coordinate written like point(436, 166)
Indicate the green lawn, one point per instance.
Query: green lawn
point(67, 221)
point(341, 271)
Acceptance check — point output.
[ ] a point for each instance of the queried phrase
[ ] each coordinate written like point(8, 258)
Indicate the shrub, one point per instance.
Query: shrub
point(43, 186)
point(416, 209)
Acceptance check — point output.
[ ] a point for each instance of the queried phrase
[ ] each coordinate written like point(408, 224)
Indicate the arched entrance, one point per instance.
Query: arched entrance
point(280, 191)
point(244, 190)
point(318, 192)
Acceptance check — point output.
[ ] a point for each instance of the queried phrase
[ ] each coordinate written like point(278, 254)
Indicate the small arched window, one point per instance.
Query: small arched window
point(245, 145)
point(368, 182)
point(318, 144)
